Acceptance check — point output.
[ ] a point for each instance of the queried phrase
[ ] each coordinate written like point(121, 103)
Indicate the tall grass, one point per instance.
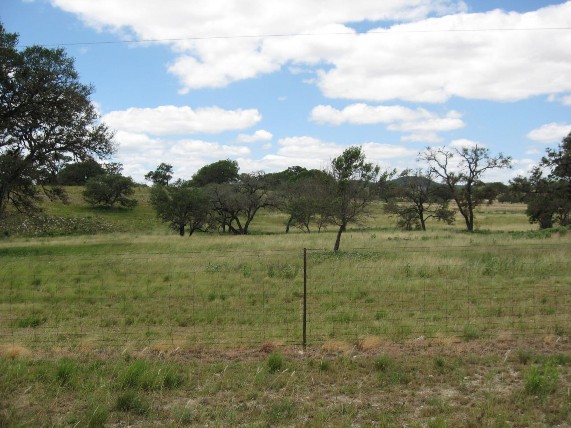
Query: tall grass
point(125, 290)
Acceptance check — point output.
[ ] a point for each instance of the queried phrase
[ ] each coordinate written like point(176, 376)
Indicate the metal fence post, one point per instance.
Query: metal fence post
point(304, 298)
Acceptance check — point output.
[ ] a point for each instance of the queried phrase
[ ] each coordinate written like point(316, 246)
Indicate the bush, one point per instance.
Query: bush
point(110, 189)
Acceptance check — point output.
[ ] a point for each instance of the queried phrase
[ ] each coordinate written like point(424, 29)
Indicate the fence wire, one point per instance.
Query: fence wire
point(230, 298)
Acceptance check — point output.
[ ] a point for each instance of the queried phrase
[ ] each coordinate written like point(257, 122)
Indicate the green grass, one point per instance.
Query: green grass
point(142, 327)
point(395, 388)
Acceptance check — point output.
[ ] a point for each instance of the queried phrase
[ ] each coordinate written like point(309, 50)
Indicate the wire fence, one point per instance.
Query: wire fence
point(247, 298)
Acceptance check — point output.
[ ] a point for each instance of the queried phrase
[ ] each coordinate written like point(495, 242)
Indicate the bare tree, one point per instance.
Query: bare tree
point(461, 170)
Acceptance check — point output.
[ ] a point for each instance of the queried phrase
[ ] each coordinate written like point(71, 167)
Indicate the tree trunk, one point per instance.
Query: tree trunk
point(289, 223)
point(338, 240)
point(181, 229)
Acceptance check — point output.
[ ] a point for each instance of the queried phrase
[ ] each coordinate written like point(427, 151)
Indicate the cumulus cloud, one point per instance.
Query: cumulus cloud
point(141, 153)
point(436, 52)
point(422, 124)
point(259, 135)
point(172, 120)
point(550, 133)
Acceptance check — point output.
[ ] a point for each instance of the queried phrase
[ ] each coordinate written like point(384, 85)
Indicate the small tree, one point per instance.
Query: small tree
point(161, 176)
point(110, 188)
point(416, 199)
point(353, 188)
point(181, 205)
point(464, 178)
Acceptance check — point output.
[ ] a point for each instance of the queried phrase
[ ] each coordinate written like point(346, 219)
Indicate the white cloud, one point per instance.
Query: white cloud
point(422, 124)
point(438, 52)
point(464, 143)
point(435, 59)
point(550, 133)
point(172, 120)
point(260, 135)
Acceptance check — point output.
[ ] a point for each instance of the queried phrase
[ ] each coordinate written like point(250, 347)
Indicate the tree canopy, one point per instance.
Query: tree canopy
point(46, 120)
point(353, 190)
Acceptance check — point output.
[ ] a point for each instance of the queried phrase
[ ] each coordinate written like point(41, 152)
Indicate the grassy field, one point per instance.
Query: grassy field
point(138, 326)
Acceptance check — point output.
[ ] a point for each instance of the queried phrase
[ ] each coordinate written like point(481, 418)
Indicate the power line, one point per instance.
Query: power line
point(285, 35)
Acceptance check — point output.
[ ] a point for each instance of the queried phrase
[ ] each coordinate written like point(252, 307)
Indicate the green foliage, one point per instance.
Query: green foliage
point(160, 176)
point(110, 189)
point(548, 197)
point(77, 174)
point(354, 188)
point(222, 171)
point(181, 205)
point(45, 113)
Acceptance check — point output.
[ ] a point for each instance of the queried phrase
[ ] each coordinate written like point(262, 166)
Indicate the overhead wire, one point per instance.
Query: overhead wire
point(285, 35)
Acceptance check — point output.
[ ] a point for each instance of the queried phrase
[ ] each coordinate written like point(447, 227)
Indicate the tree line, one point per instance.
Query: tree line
point(50, 136)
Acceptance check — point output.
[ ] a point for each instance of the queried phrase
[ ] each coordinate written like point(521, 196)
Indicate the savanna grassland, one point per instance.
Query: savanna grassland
point(136, 326)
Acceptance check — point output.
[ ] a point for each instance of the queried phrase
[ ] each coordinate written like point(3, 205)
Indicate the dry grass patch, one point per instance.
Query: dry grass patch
point(15, 351)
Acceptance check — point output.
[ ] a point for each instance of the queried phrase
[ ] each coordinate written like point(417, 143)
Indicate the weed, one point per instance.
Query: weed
point(280, 412)
point(130, 401)
point(97, 416)
point(541, 380)
point(525, 356)
point(471, 332)
point(391, 372)
point(275, 362)
point(184, 416)
point(31, 321)
point(65, 370)
point(324, 365)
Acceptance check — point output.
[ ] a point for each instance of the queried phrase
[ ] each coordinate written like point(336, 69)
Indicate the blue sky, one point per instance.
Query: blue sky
point(274, 84)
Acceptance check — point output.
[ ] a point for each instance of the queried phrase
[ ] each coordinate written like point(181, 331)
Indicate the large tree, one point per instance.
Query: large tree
point(461, 170)
point(549, 188)
point(77, 173)
point(180, 205)
point(236, 204)
point(46, 120)
point(354, 188)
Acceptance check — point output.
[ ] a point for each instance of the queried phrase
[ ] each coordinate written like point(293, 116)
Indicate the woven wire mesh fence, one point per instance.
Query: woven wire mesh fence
point(466, 293)
point(242, 298)
point(194, 299)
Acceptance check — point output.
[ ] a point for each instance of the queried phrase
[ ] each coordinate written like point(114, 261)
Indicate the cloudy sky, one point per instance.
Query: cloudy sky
point(274, 83)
